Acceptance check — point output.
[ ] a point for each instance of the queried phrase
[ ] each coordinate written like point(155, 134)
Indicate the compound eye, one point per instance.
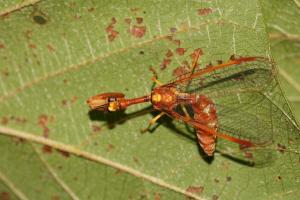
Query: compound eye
point(112, 99)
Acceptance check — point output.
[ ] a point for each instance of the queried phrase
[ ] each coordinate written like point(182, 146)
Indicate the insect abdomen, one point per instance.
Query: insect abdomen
point(205, 113)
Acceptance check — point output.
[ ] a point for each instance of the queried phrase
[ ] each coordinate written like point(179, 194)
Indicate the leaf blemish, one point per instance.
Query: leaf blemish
point(32, 46)
point(47, 149)
point(50, 48)
point(136, 160)
point(281, 148)
point(91, 9)
point(166, 61)
point(138, 31)
point(112, 34)
point(180, 51)
point(139, 20)
point(96, 128)
point(2, 46)
point(63, 153)
point(195, 189)
point(216, 180)
point(5, 72)
point(39, 17)
point(179, 71)
point(127, 21)
point(205, 11)
point(4, 196)
point(4, 120)
point(110, 147)
point(228, 178)
point(43, 121)
point(156, 196)
point(66, 102)
point(173, 30)
point(171, 38)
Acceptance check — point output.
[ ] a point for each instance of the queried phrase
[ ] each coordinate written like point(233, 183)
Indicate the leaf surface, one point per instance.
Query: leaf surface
point(56, 54)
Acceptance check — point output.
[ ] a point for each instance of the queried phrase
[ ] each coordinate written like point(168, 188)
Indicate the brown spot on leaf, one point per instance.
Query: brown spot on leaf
point(139, 20)
point(73, 99)
point(96, 128)
point(47, 149)
point(180, 51)
point(134, 9)
point(138, 31)
point(248, 155)
point(169, 53)
point(127, 21)
point(279, 178)
point(110, 147)
point(55, 197)
point(176, 42)
point(32, 46)
point(216, 180)
point(5, 72)
point(173, 30)
point(91, 9)
point(4, 120)
point(20, 120)
point(118, 172)
point(4, 196)
point(215, 197)
point(195, 189)
point(156, 196)
point(64, 102)
point(2, 46)
point(18, 141)
point(28, 34)
point(179, 71)
point(43, 121)
point(63, 153)
point(112, 34)
point(204, 11)
point(136, 160)
point(165, 63)
point(281, 148)
point(228, 178)
point(50, 48)
point(40, 19)
point(77, 16)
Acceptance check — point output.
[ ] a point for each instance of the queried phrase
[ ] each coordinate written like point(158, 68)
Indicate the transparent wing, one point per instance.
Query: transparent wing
point(232, 78)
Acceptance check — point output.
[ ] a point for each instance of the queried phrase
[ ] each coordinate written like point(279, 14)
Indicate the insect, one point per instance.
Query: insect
point(196, 98)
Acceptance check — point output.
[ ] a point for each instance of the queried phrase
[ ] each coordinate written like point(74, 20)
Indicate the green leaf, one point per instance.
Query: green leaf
point(56, 54)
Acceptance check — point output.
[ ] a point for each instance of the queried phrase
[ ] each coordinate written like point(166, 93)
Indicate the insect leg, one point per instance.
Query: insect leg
point(152, 121)
point(192, 69)
point(154, 78)
point(198, 52)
